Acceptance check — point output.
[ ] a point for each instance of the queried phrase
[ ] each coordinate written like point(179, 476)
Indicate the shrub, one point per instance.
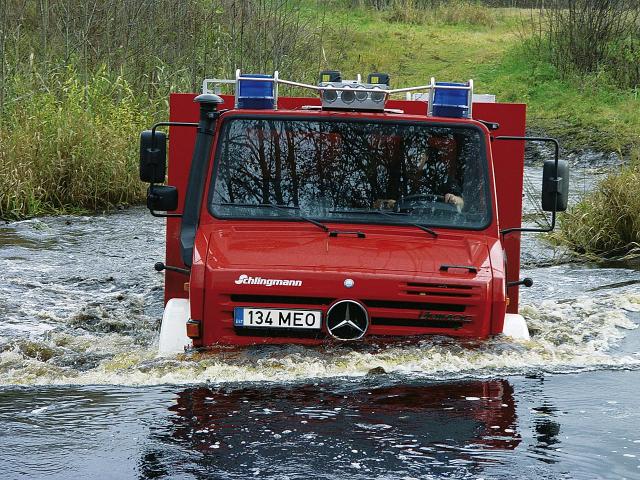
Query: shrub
point(408, 11)
point(71, 149)
point(465, 12)
point(454, 12)
point(606, 222)
point(591, 37)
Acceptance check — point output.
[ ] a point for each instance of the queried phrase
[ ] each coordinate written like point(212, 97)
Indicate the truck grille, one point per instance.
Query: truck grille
point(451, 322)
point(278, 300)
point(440, 290)
point(438, 307)
point(414, 306)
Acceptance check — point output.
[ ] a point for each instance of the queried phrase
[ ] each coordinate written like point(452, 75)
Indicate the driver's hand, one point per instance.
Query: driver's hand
point(454, 200)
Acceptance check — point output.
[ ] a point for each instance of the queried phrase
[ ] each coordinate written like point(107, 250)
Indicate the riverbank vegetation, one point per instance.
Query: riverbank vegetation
point(79, 80)
point(70, 148)
point(599, 43)
point(606, 223)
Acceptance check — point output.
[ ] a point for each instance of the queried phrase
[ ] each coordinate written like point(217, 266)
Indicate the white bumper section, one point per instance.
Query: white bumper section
point(515, 327)
point(173, 331)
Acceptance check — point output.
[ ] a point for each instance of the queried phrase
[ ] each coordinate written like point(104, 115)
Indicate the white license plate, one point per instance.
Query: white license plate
point(277, 318)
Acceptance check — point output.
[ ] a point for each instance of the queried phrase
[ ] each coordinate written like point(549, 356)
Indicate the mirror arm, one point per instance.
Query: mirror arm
point(168, 124)
point(164, 215)
point(556, 148)
point(552, 225)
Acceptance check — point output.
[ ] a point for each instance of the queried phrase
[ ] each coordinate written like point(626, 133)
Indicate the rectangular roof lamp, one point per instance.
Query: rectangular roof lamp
point(339, 94)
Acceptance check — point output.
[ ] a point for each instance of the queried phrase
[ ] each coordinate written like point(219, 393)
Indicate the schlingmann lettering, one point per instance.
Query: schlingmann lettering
point(267, 282)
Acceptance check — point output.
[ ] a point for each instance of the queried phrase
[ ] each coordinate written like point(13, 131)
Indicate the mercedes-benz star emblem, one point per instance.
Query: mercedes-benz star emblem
point(349, 283)
point(347, 320)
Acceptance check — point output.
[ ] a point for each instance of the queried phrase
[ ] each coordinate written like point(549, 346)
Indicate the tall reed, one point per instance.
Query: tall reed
point(79, 80)
point(70, 149)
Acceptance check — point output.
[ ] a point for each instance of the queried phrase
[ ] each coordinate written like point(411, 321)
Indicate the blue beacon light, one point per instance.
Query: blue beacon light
point(453, 103)
point(256, 94)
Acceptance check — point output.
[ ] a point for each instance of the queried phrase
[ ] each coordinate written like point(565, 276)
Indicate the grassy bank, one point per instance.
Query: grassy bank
point(68, 139)
point(490, 47)
point(584, 112)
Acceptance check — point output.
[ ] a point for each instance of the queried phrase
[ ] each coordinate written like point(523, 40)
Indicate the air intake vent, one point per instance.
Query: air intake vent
point(438, 290)
point(434, 307)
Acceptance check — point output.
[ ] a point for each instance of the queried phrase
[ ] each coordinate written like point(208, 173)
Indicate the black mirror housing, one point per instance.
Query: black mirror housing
point(153, 156)
point(555, 186)
point(162, 198)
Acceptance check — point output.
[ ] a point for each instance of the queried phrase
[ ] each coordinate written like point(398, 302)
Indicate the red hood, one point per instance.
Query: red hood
point(302, 247)
point(394, 271)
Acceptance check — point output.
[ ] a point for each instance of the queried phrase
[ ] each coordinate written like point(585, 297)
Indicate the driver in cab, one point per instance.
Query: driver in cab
point(438, 166)
point(435, 174)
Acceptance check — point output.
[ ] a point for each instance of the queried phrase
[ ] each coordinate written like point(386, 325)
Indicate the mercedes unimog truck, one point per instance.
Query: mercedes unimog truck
point(360, 211)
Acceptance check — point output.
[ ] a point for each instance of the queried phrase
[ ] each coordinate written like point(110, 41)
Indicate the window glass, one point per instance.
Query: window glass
point(351, 172)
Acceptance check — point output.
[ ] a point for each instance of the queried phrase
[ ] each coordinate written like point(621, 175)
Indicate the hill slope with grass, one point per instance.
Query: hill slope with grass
point(489, 45)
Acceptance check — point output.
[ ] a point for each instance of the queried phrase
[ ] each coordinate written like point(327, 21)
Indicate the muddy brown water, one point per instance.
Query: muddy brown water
point(82, 393)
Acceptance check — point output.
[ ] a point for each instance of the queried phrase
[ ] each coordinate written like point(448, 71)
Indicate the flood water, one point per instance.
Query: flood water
point(82, 393)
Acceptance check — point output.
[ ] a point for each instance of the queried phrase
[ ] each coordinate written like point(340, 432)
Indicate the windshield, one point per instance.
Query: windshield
point(352, 172)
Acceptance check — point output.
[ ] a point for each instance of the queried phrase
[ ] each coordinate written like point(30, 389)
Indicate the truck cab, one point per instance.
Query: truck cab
point(341, 217)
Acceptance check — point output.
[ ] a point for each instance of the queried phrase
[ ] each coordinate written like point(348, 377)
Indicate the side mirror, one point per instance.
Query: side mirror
point(555, 186)
point(153, 156)
point(162, 198)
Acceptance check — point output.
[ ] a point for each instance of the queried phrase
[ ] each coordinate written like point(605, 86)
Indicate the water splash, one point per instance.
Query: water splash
point(67, 321)
point(570, 336)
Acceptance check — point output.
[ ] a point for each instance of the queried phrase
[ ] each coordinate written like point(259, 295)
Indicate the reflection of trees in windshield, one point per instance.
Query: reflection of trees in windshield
point(321, 167)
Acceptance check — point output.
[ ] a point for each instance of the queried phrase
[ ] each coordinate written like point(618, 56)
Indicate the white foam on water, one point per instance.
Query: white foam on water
point(568, 336)
point(66, 321)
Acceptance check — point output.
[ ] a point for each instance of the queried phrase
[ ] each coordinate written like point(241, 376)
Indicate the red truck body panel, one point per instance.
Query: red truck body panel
point(226, 249)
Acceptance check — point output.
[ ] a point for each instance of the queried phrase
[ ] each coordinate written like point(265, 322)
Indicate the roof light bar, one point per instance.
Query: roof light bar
point(351, 94)
point(445, 99)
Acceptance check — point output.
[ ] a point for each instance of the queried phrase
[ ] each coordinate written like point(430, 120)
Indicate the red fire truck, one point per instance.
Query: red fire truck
point(343, 216)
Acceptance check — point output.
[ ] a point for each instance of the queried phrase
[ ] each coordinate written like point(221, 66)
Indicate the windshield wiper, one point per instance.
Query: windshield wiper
point(281, 208)
point(390, 215)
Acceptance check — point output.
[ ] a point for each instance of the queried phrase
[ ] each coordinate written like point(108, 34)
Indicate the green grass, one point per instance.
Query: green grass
point(364, 41)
